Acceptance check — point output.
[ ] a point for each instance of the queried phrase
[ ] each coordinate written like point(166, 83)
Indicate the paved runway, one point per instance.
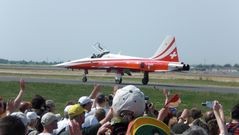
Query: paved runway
point(153, 85)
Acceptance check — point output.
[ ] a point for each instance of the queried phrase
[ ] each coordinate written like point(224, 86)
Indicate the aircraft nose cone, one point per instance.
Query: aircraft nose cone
point(60, 65)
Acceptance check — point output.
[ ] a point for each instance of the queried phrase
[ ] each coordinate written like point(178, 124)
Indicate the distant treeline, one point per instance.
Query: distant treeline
point(218, 66)
point(215, 66)
point(4, 61)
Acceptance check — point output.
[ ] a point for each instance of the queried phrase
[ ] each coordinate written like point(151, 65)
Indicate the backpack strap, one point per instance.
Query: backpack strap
point(62, 130)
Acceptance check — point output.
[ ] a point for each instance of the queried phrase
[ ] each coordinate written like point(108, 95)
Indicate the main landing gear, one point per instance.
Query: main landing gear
point(118, 78)
point(84, 79)
point(145, 80)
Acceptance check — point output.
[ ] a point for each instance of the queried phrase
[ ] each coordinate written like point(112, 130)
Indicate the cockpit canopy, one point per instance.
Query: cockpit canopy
point(102, 51)
point(100, 54)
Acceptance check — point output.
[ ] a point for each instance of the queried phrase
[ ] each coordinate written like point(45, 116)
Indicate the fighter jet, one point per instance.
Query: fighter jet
point(165, 59)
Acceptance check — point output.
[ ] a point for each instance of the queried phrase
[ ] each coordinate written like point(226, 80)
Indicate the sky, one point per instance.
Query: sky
point(206, 31)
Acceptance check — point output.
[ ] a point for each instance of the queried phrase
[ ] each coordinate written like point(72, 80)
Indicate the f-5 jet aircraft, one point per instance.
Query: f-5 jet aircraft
point(165, 59)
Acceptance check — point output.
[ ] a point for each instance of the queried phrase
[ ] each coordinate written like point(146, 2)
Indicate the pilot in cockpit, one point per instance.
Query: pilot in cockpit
point(93, 56)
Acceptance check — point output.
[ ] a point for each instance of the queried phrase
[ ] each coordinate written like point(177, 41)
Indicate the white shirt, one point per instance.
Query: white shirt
point(61, 125)
point(45, 134)
point(90, 121)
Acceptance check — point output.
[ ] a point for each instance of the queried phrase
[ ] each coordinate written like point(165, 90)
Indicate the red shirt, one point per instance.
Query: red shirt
point(233, 128)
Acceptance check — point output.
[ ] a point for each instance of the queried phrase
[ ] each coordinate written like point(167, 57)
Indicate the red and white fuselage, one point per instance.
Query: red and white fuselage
point(114, 61)
point(165, 59)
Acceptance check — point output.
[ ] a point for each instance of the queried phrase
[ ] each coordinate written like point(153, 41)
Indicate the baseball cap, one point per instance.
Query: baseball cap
point(32, 116)
point(75, 110)
point(48, 118)
point(129, 98)
point(22, 116)
point(84, 100)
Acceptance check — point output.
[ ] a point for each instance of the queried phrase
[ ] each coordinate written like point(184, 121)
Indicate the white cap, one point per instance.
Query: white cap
point(129, 98)
point(32, 116)
point(22, 116)
point(84, 100)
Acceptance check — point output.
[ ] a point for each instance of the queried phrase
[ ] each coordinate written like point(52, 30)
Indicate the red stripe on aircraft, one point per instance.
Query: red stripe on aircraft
point(166, 48)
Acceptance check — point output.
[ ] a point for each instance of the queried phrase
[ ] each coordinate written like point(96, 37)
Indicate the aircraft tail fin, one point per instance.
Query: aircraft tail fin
point(167, 51)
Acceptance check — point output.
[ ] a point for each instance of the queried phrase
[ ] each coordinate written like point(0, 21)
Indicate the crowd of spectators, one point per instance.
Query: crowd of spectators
point(98, 114)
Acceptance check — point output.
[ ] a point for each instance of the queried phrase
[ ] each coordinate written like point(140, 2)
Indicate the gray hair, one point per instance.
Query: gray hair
point(195, 130)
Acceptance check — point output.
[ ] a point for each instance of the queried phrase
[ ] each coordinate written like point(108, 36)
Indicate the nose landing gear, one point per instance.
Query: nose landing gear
point(84, 79)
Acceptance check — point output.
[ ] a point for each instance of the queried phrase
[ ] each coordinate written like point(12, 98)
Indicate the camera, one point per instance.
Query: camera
point(110, 100)
point(208, 104)
point(146, 98)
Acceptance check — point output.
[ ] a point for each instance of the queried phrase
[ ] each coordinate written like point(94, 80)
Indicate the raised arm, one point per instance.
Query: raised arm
point(95, 91)
point(221, 112)
point(166, 94)
point(108, 117)
point(162, 113)
point(220, 122)
point(18, 99)
point(105, 123)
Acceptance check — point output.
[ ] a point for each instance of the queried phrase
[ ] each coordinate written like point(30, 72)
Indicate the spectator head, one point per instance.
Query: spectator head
point(196, 113)
point(129, 100)
point(77, 112)
point(202, 124)
point(72, 102)
point(178, 114)
point(12, 125)
point(100, 114)
point(209, 115)
point(100, 99)
point(32, 117)
point(38, 103)
point(180, 128)
point(195, 130)
point(21, 116)
point(235, 112)
point(66, 111)
point(24, 106)
point(85, 102)
point(49, 121)
point(50, 105)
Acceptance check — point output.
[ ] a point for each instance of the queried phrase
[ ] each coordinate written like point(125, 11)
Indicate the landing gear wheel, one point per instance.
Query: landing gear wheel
point(145, 81)
point(84, 79)
point(118, 81)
